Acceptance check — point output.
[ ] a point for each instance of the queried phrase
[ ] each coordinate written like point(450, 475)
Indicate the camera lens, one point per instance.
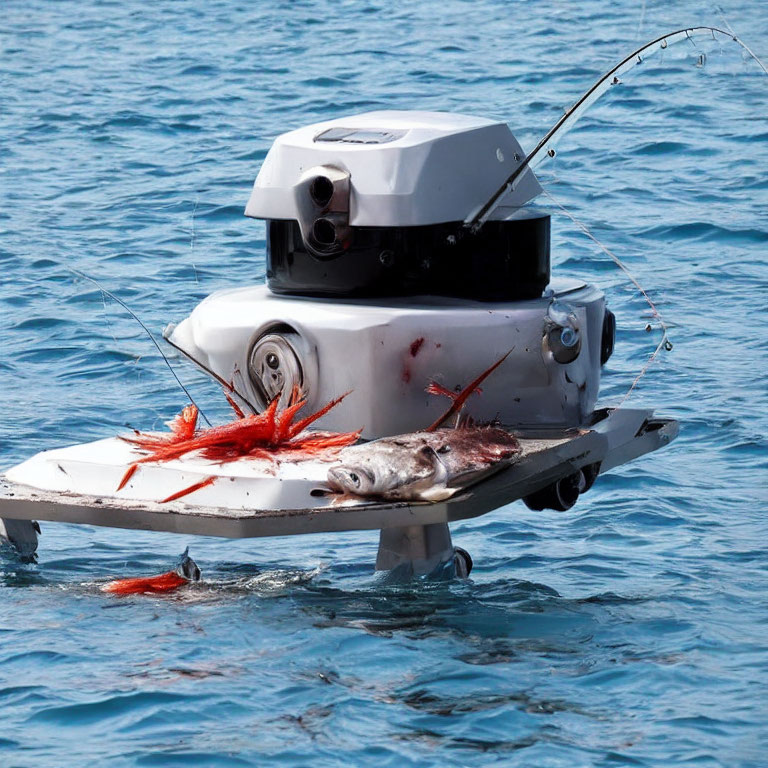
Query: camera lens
point(321, 190)
point(324, 232)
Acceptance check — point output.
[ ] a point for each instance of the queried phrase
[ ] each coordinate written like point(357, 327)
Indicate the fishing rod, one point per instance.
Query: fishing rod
point(228, 385)
point(545, 148)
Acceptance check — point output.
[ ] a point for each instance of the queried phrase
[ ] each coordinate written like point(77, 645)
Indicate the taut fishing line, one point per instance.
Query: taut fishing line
point(665, 343)
point(545, 147)
point(229, 386)
point(112, 296)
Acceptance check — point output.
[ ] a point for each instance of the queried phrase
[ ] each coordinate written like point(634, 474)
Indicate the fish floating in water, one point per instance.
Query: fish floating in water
point(185, 572)
point(423, 466)
point(427, 466)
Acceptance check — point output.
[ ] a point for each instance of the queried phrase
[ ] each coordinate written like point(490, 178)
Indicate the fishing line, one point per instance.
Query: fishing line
point(148, 332)
point(224, 383)
point(106, 318)
point(740, 41)
point(642, 19)
point(567, 120)
point(192, 238)
point(665, 343)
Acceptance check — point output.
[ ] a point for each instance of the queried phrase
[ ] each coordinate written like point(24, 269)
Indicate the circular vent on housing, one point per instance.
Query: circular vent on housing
point(274, 366)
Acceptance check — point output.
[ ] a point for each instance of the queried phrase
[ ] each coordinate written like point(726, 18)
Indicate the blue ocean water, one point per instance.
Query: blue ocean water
point(631, 630)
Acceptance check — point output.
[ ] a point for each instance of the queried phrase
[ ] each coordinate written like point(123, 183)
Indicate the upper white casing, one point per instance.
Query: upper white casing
point(387, 353)
point(434, 167)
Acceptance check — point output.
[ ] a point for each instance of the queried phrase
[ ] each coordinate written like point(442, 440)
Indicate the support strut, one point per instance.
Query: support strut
point(421, 550)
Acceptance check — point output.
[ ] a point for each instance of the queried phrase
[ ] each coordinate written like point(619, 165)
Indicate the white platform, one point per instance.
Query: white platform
point(253, 498)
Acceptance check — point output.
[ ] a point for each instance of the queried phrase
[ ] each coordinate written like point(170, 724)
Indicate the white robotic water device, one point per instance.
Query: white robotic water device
point(401, 248)
point(377, 283)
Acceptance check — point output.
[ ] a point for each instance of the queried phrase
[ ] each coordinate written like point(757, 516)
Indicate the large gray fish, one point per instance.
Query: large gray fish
point(423, 466)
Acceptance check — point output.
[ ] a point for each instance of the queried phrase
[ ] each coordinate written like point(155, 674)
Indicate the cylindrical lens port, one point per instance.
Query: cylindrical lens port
point(321, 190)
point(324, 232)
point(608, 338)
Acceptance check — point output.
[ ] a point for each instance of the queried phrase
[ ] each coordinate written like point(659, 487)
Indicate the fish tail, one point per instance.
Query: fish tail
point(433, 388)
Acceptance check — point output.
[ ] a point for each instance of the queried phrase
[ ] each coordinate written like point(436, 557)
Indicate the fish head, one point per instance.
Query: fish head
point(389, 471)
point(353, 478)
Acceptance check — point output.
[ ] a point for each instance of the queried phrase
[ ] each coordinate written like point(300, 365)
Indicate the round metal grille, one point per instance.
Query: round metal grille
point(275, 368)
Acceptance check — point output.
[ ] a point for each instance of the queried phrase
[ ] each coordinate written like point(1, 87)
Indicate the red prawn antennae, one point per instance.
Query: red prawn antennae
point(461, 398)
point(302, 424)
point(235, 407)
point(127, 476)
point(258, 436)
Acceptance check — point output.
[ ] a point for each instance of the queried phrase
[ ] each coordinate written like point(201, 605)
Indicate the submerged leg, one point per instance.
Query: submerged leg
point(421, 550)
point(21, 535)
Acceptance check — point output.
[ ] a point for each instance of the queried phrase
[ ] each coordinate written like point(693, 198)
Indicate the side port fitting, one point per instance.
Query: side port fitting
point(562, 334)
point(608, 336)
point(277, 365)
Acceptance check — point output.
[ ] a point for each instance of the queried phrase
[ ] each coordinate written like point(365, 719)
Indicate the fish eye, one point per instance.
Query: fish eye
point(444, 449)
point(354, 478)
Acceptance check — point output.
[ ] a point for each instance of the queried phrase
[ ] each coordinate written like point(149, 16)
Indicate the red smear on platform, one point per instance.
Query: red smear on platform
point(192, 488)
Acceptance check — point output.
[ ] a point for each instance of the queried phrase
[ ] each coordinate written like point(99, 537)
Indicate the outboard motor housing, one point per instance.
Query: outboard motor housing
point(504, 261)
